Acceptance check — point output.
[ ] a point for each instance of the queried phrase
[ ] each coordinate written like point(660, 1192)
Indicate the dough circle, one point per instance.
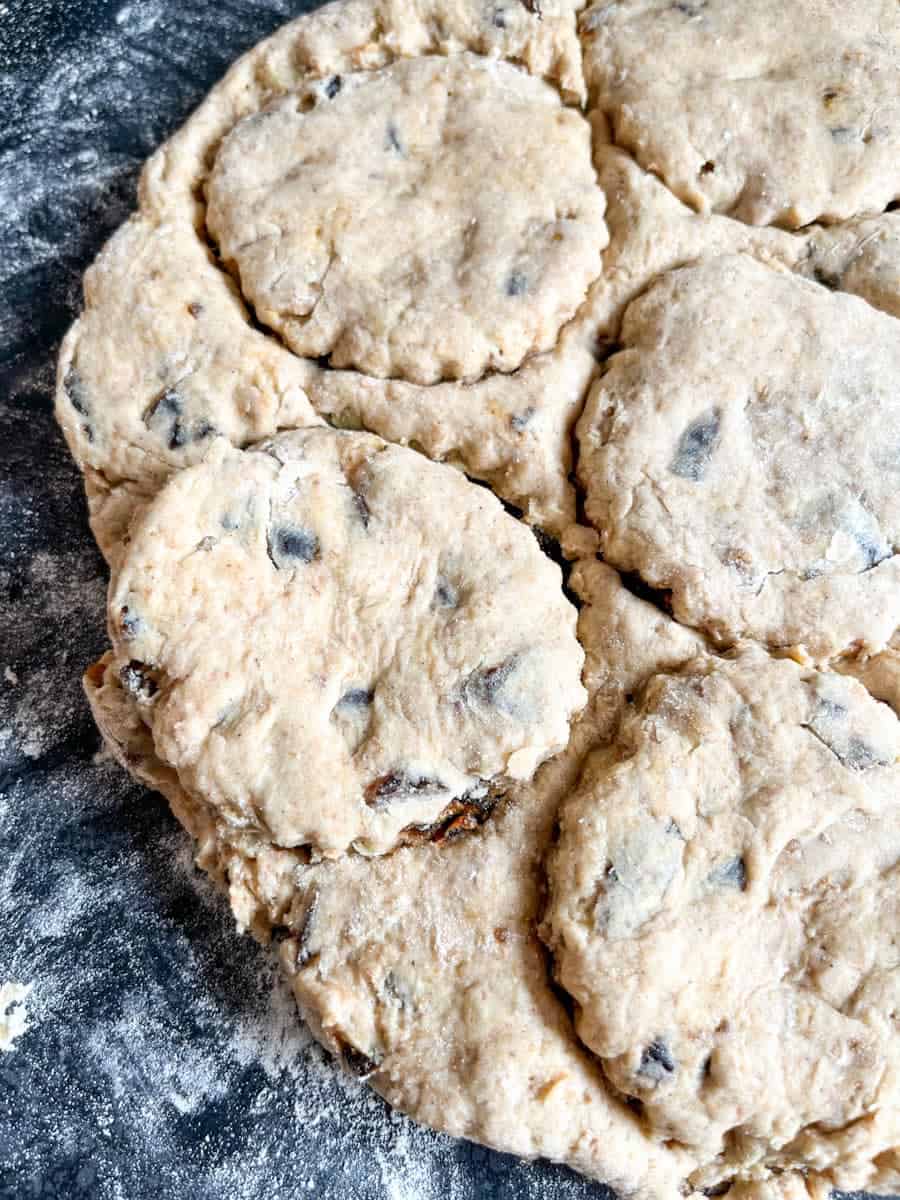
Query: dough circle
point(334, 640)
point(741, 452)
point(724, 905)
point(436, 219)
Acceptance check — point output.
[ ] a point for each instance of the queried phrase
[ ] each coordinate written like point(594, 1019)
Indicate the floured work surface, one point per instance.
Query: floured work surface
point(458, 229)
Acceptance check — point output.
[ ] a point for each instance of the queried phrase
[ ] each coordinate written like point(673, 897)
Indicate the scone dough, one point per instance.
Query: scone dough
point(335, 639)
point(740, 453)
point(439, 218)
point(774, 113)
point(168, 351)
point(724, 907)
point(421, 969)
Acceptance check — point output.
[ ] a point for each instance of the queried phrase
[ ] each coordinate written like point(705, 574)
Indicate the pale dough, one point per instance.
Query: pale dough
point(741, 450)
point(344, 664)
point(162, 315)
point(415, 968)
point(862, 257)
point(724, 907)
point(439, 218)
point(774, 113)
point(307, 692)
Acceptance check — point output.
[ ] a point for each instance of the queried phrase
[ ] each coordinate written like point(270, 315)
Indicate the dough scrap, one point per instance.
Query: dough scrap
point(162, 360)
point(773, 113)
point(723, 909)
point(307, 692)
point(729, 457)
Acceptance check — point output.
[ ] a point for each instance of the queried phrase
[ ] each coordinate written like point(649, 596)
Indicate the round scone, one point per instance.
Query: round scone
point(774, 113)
point(380, 219)
point(334, 640)
point(741, 452)
point(724, 906)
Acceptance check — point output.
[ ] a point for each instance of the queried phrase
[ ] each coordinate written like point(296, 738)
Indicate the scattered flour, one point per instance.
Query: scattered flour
point(13, 1013)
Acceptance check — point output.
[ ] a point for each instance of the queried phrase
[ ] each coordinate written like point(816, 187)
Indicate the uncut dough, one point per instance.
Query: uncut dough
point(390, 958)
point(774, 113)
point(724, 906)
point(335, 639)
point(437, 219)
point(741, 450)
point(162, 313)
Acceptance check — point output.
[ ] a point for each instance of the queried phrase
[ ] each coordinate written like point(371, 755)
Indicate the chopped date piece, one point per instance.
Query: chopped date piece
point(399, 786)
point(860, 756)
point(290, 544)
point(829, 727)
point(131, 623)
point(874, 550)
point(657, 1062)
point(73, 386)
point(165, 416)
point(359, 1064)
point(730, 874)
point(533, 6)
point(445, 594)
point(356, 698)
point(137, 680)
point(362, 509)
point(696, 447)
point(484, 686)
point(75, 390)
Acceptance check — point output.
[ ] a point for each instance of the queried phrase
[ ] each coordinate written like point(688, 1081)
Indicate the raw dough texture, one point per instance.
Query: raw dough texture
point(335, 639)
point(740, 452)
point(439, 218)
point(417, 967)
point(464, 226)
point(862, 257)
point(167, 351)
point(774, 113)
point(724, 907)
